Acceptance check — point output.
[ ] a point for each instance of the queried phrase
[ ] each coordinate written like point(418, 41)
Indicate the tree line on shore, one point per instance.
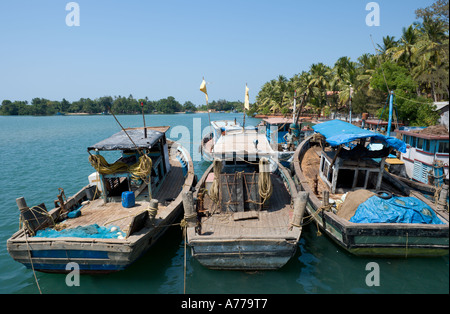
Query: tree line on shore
point(118, 105)
point(415, 67)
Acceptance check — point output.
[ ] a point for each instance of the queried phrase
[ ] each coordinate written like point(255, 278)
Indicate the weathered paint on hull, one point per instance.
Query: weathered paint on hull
point(244, 254)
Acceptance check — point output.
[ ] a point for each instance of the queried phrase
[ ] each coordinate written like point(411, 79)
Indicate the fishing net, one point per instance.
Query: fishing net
point(91, 231)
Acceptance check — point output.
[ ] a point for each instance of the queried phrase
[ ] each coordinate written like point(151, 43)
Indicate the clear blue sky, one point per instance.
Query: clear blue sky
point(164, 48)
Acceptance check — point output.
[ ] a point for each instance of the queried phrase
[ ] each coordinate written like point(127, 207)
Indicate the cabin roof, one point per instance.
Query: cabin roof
point(337, 132)
point(431, 134)
point(278, 120)
point(225, 124)
point(120, 140)
point(242, 143)
point(381, 122)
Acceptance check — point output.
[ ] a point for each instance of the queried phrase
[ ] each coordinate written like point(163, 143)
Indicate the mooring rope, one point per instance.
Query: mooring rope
point(31, 261)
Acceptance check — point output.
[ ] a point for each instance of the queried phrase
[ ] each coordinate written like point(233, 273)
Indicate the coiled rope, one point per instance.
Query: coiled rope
point(264, 183)
point(140, 170)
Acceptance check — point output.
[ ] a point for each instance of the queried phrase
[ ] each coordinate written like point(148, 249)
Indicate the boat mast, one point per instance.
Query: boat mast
point(350, 105)
point(295, 105)
point(391, 105)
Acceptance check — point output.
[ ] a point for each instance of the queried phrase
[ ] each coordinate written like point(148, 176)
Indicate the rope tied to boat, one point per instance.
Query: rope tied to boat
point(264, 182)
point(152, 211)
point(35, 210)
point(214, 191)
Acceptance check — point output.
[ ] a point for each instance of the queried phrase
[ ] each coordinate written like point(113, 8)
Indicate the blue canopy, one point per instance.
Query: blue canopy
point(337, 132)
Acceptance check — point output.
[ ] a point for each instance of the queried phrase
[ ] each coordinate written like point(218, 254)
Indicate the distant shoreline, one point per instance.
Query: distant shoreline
point(107, 114)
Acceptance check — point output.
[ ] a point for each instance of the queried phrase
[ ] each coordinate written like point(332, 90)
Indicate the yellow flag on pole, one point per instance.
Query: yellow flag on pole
point(247, 101)
point(203, 89)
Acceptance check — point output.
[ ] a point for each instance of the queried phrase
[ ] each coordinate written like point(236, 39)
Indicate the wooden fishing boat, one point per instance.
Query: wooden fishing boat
point(328, 170)
point(243, 217)
point(140, 198)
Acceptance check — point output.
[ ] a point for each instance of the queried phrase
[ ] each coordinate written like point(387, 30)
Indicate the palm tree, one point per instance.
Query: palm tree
point(407, 47)
point(320, 78)
point(388, 42)
point(367, 64)
point(346, 76)
point(432, 57)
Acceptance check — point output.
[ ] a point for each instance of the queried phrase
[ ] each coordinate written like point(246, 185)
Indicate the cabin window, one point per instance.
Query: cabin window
point(443, 147)
point(406, 139)
point(420, 143)
point(426, 145)
point(413, 141)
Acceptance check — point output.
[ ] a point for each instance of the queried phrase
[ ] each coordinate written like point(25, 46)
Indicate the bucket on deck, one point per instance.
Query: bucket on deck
point(92, 192)
point(128, 199)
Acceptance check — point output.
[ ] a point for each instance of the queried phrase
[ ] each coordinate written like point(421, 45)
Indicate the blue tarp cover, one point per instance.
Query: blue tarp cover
point(338, 132)
point(395, 210)
point(91, 231)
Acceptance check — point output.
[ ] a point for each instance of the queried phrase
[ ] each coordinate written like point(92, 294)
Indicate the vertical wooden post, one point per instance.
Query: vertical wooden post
point(152, 209)
point(189, 211)
point(21, 203)
point(325, 198)
point(299, 208)
point(442, 201)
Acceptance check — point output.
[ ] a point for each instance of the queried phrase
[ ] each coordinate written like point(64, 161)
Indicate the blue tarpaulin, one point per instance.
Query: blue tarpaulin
point(395, 210)
point(337, 132)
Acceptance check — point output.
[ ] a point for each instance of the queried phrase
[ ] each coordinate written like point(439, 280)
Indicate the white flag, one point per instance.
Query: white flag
point(247, 102)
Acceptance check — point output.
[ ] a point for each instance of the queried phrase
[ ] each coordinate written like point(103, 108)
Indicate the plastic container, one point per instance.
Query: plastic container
point(94, 180)
point(128, 199)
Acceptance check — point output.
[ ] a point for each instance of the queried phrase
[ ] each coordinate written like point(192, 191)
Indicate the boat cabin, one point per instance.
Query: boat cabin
point(380, 126)
point(350, 163)
point(427, 154)
point(221, 127)
point(130, 172)
point(276, 129)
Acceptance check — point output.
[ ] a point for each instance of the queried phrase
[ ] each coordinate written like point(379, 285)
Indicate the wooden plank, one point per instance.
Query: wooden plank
point(245, 215)
point(137, 223)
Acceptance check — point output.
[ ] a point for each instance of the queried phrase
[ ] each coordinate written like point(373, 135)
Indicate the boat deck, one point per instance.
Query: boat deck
point(97, 212)
point(272, 222)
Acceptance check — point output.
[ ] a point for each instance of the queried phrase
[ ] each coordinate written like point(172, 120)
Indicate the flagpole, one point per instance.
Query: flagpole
point(143, 117)
point(244, 104)
point(203, 89)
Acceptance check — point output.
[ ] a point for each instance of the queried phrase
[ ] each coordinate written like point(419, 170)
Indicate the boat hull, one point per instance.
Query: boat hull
point(384, 240)
point(92, 256)
point(242, 254)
